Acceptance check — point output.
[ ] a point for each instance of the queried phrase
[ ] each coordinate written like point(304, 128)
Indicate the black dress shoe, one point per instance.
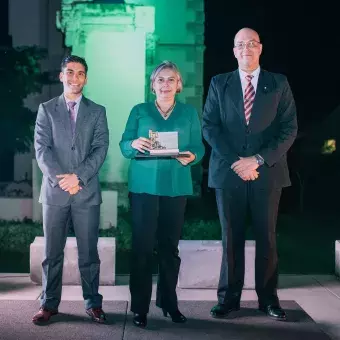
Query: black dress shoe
point(222, 311)
point(176, 316)
point(140, 320)
point(274, 312)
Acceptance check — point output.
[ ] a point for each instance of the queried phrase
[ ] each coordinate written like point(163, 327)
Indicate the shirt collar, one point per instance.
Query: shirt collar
point(77, 101)
point(255, 73)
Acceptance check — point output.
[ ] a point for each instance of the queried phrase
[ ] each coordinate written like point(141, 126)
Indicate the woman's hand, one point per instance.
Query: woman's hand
point(186, 160)
point(141, 144)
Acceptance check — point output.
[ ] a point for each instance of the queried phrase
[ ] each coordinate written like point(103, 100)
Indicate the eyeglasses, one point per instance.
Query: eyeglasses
point(249, 44)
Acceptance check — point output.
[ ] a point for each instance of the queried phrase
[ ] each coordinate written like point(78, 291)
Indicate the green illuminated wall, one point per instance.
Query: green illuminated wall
point(118, 44)
point(121, 66)
point(179, 27)
point(122, 44)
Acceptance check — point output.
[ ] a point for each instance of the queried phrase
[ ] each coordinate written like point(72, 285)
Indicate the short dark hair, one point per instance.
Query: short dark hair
point(73, 59)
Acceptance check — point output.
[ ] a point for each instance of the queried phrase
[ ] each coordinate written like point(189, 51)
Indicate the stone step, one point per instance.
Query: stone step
point(201, 263)
point(71, 275)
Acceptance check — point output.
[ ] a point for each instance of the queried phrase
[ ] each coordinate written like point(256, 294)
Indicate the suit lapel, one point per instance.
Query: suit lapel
point(264, 88)
point(234, 92)
point(63, 115)
point(82, 116)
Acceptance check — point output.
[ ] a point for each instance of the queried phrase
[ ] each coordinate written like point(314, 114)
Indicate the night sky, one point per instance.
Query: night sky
point(3, 22)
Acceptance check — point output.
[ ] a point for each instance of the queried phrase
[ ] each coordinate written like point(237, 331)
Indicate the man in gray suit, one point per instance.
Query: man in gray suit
point(71, 142)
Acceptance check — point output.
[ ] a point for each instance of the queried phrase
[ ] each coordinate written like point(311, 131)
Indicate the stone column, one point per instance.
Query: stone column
point(118, 43)
point(195, 54)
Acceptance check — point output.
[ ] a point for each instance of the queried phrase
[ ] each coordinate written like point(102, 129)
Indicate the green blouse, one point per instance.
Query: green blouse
point(157, 176)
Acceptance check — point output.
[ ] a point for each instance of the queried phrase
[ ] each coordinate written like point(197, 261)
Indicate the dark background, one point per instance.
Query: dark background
point(300, 41)
point(4, 38)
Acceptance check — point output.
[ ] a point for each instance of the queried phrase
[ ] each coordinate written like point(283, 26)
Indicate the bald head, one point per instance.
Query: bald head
point(247, 49)
point(246, 32)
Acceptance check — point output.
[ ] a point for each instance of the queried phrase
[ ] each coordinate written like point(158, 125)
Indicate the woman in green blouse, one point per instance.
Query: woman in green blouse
point(158, 189)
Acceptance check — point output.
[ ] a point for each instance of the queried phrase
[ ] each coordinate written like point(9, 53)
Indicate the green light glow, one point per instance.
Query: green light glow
point(116, 79)
point(329, 147)
point(122, 43)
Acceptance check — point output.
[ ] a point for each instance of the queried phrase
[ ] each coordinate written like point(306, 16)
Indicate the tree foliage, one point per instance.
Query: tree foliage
point(20, 76)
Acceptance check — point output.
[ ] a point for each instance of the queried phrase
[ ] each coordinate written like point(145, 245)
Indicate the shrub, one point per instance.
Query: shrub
point(17, 236)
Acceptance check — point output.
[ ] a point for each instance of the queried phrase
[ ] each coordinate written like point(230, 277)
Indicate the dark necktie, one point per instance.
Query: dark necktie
point(72, 111)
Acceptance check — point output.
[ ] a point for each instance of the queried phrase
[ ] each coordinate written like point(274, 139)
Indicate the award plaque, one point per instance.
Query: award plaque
point(163, 144)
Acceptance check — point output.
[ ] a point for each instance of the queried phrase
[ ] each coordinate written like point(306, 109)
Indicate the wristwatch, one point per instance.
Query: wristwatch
point(259, 159)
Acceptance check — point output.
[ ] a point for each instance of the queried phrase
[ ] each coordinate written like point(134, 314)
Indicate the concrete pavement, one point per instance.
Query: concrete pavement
point(318, 295)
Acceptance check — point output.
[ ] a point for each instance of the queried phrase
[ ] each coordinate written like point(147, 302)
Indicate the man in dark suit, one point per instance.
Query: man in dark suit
point(249, 121)
point(71, 142)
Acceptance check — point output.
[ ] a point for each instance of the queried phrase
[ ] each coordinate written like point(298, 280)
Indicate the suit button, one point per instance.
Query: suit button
point(248, 131)
point(245, 147)
point(73, 148)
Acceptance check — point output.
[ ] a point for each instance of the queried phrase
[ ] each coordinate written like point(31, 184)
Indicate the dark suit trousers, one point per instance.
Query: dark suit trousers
point(155, 218)
point(86, 226)
point(233, 205)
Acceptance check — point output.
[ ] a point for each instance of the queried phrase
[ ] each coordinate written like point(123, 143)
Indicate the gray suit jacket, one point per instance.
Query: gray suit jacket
point(57, 152)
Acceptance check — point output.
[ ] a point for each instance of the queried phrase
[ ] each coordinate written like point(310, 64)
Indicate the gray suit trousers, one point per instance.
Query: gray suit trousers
point(86, 226)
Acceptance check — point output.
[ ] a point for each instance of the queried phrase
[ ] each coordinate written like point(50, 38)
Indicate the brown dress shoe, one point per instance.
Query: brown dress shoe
point(43, 316)
point(97, 314)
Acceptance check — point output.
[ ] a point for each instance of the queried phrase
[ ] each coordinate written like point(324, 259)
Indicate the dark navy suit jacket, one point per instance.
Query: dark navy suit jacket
point(271, 131)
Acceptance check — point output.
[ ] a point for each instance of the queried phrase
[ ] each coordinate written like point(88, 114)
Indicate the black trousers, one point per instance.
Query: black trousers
point(86, 227)
point(155, 218)
point(233, 205)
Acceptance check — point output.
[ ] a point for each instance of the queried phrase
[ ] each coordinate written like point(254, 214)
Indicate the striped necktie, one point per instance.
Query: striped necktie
point(249, 96)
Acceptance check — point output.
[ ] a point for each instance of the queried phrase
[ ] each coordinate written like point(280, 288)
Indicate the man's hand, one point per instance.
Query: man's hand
point(186, 160)
point(74, 190)
point(249, 175)
point(245, 164)
point(141, 144)
point(68, 181)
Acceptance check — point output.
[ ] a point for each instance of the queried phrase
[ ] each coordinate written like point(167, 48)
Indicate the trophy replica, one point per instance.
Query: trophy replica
point(164, 144)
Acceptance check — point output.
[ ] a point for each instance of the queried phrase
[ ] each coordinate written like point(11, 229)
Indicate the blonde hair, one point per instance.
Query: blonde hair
point(166, 65)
